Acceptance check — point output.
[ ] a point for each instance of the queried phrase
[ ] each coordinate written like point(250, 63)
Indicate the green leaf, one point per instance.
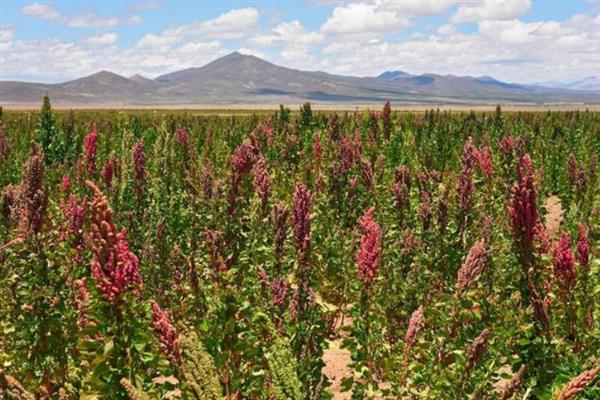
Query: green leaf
point(108, 347)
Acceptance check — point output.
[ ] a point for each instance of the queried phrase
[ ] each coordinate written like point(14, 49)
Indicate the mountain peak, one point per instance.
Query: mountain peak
point(236, 56)
point(139, 78)
point(105, 74)
point(232, 64)
point(102, 77)
point(392, 75)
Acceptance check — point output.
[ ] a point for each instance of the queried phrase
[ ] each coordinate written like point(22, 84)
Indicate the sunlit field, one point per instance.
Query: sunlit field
point(299, 254)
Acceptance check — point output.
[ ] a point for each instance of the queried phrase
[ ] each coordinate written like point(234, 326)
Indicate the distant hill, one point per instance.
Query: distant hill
point(392, 75)
point(590, 83)
point(245, 79)
point(140, 79)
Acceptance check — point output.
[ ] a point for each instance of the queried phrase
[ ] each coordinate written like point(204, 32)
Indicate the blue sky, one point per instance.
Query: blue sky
point(512, 40)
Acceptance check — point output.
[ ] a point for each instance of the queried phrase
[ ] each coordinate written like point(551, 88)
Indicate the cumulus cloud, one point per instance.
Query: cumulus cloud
point(92, 20)
point(416, 8)
point(65, 60)
point(375, 17)
point(42, 11)
point(133, 20)
point(87, 20)
point(447, 29)
point(495, 10)
point(22, 59)
point(583, 21)
point(102, 39)
point(229, 22)
point(522, 52)
point(233, 24)
point(148, 5)
point(6, 35)
point(152, 40)
point(288, 32)
point(295, 39)
point(363, 18)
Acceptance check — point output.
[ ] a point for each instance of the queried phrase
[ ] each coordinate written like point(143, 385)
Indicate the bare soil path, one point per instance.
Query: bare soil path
point(554, 215)
point(337, 363)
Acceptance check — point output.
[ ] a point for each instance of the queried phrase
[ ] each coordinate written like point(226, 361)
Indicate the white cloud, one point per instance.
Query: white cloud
point(92, 20)
point(43, 11)
point(152, 40)
point(102, 39)
point(522, 52)
point(376, 17)
point(148, 5)
point(363, 18)
point(234, 24)
point(6, 35)
point(415, 8)
point(516, 33)
point(289, 33)
point(88, 20)
point(447, 29)
point(229, 22)
point(583, 21)
point(60, 59)
point(494, 10)
point(133, 20)
point(67, 60)
point(295, 39)
point(295, 32)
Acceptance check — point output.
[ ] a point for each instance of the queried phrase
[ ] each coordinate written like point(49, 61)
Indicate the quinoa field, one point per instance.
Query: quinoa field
point(299, 254)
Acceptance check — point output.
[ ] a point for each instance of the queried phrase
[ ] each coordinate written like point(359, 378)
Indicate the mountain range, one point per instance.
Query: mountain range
point(590, 83)
point(246, 79)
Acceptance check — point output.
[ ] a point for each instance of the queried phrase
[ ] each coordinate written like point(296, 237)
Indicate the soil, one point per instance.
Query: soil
point(554, 215)
point(337, 363)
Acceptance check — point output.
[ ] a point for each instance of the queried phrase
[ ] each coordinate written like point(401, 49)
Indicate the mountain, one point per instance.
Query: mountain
point(590, 83)
point(103, 87)
point(392, 75)
point(140, 79)
point(245, 79)
point(105, 83)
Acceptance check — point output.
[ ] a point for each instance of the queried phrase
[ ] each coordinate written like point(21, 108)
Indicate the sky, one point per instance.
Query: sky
point(524, 41)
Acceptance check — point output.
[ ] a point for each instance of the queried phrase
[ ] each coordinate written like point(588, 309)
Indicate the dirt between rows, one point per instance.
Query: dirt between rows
point(337, 361)
point(554, 214)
